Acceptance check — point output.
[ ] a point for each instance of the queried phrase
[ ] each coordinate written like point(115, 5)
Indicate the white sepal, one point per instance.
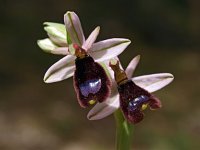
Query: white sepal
point(108, 49)
point(61, 70)
point(153, 82)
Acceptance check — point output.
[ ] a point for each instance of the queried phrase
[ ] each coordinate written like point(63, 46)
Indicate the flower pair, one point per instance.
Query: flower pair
point(89, 63)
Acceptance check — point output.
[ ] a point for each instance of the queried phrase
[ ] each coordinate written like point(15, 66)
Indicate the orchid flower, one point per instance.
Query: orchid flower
point(150, 83)
point(62, 42)
point(83, 56)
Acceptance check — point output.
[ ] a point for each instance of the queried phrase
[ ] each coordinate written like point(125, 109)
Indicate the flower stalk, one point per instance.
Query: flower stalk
point(124, 131)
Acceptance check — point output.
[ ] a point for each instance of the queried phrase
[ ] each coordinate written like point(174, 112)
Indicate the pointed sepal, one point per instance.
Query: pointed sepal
point(153, 82)
point(107, 49)
point(61, 70)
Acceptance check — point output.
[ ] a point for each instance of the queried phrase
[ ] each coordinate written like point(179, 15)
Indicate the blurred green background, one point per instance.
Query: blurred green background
point(39, 116)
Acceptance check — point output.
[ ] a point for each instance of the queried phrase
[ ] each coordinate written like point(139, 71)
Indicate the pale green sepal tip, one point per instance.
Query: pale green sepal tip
point(58, 26)
point(55, 32)
point(55, 29)
point(46, 45)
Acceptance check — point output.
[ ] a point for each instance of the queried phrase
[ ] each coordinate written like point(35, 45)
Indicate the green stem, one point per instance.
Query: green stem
point(124, 132)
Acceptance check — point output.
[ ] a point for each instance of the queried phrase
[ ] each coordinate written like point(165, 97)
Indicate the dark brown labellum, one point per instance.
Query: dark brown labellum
point(134, 99)
point(90, 81)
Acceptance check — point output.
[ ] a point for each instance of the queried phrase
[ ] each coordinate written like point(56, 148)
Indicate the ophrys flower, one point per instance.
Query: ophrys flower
point(79, 49)
point(150, 83)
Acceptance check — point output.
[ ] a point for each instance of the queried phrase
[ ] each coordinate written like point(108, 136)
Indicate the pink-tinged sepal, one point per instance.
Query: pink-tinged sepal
point(134, 99)
point(90, 82)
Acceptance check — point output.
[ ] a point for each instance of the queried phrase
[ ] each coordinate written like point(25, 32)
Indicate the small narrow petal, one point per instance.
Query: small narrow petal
point(102, 110)
point(108, 49)
point(74, 28)
point(153, 82)
point(91, 39)
point(61, 70)
point(132, 66)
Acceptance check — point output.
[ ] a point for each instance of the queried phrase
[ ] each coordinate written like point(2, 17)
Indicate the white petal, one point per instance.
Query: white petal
point(73, 26)
point(132, 66)
point(102, 110)
point(91, 39)
point(153, 82)
point(108, 49)
point(61, 70)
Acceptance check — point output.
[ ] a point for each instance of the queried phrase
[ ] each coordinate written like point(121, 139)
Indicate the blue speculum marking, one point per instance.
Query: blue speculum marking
point(137, 102)
point(91, 86)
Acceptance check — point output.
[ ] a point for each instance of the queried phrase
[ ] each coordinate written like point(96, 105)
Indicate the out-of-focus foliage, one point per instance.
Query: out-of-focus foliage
point(35, 115)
